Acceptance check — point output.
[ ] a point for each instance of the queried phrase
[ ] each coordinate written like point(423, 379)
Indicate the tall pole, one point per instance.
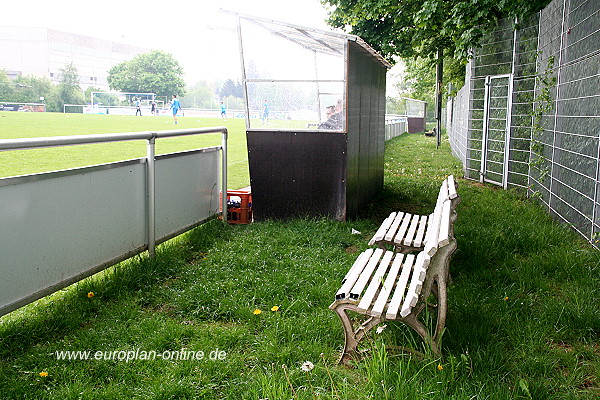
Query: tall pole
point(151, 196)
point(224, 175)
point(438, 98)
point(244, 81)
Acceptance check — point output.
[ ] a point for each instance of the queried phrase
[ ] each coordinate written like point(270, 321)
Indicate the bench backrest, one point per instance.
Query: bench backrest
point(439, 234)
point(439, 229)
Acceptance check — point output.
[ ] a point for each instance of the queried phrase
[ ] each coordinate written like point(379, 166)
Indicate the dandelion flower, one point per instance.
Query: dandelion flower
point(307, 366)
point(440, 367)
point(257, 311)
point(275, 308)
point(506, 298)
point(381, 328)
point(43, 374)
point(91, 294)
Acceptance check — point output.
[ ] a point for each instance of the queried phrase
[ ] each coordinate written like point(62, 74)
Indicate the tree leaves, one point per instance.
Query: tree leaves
point(154, 72)
point(418, 28)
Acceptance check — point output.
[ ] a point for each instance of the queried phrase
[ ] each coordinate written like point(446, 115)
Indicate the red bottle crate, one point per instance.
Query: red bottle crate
point(243, 213)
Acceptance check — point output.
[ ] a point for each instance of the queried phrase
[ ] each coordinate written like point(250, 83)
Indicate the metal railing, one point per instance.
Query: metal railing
point(395, 126)
point(59, 227)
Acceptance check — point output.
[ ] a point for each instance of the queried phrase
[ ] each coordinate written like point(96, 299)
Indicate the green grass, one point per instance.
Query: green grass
point(523, 322)
point(25, 125)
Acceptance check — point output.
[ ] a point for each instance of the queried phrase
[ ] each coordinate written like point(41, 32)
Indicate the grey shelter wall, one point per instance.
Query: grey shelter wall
point(366, 127)
point(296, 174)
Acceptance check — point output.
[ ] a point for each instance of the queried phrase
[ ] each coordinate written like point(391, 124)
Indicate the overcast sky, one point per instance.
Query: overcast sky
point(194, 31)
point(200, 37)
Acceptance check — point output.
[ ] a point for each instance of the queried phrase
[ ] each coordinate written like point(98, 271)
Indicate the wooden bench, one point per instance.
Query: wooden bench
point(407, 232)
point(386, 285)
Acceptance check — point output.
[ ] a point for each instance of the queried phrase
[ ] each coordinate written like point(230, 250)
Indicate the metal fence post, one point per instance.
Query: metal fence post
point(484, 133)
point(596, 184)
point(507, 138)
point(224, 176)
point(150, 195)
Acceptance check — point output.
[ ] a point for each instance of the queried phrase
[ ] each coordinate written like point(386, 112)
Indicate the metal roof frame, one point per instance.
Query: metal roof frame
point(310, 38)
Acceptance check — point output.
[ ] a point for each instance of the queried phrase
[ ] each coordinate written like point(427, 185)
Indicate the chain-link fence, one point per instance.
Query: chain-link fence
point(528, 116)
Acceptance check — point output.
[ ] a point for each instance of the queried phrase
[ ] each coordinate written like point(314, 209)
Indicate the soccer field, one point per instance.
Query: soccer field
point(27, 125)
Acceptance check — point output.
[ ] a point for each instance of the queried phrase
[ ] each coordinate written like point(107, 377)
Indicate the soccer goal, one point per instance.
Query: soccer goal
point(73, 108)
point(122, 99)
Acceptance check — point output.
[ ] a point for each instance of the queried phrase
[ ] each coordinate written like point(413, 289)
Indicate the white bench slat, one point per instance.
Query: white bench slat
point(394, 306)
point(418, 242)
point(444, 235)
point(382, 229)
point(411, 231)
point(402, 230)
point(416, 283)
point(360, 262)
point(431, 239)
point(392, 231)
point(443, 195)
point(353, 274)
point(452, 194)
point(366, 273)
point(388, 285)
point(376, 281)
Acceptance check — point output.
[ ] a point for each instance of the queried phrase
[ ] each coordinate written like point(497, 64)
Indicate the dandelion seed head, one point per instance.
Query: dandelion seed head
point(307, 366)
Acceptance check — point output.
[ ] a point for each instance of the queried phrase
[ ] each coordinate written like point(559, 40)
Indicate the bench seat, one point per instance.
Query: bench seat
point(385, 284)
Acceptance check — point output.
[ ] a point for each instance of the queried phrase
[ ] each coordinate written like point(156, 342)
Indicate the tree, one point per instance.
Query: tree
point(30, 89)
point(199, 95)
point(417, 81)
point(426, 28)
point(69, 91)
point(6, 88)
point(230, 88)
point(419, 28)
point(154, 72)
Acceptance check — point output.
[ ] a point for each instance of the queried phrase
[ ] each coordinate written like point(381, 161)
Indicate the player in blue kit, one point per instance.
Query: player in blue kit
point(223, 111)
point(175, 106)
point(265, 113)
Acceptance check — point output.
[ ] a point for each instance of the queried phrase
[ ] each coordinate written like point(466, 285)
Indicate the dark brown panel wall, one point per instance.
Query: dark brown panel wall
point(366, 127)
point(296, 174)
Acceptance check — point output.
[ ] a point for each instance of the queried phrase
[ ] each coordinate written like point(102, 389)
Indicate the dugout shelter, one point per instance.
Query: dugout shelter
point(315, 119)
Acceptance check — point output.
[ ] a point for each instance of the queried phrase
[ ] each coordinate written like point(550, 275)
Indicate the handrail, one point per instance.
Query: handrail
point(53, 141)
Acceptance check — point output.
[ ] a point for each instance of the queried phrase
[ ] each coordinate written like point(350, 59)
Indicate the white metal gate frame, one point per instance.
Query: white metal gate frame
point(486, 117)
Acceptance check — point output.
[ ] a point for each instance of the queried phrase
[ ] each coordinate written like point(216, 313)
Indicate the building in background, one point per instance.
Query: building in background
point(43, 52)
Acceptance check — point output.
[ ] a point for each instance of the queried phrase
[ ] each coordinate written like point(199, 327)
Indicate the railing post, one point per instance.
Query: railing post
point(224, 175)
point(151, 195)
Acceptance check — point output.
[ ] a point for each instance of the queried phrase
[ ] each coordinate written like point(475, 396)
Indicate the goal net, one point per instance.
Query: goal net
point(121, 99)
